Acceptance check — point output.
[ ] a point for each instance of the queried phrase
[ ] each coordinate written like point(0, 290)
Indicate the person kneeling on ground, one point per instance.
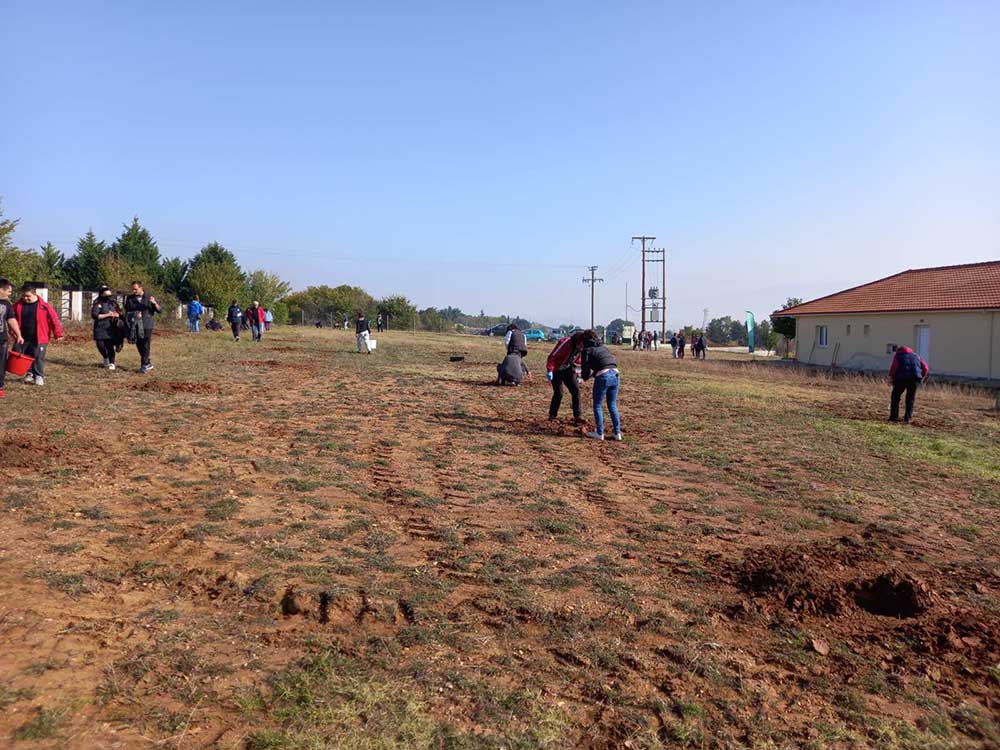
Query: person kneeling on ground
point(512, 371)
point(908, 370)
point(598, 361)
point(561, 371)
point(37, 320)
point(106, 313)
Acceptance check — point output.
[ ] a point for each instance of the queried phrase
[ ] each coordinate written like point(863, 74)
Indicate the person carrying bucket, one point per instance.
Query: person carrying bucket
point(8, 327)
point(363, 331)
point(37, 320)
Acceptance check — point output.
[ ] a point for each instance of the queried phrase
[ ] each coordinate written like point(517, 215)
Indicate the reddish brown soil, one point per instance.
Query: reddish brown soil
point(162, 554)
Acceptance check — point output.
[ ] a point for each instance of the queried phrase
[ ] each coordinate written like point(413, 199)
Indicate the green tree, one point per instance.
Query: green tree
point(766, 336)
point(267, 288)
point(213, 252)
point(15, 264)
point(719, 330)
point(173, 278)
point(785, 324)
point(49, 266)
point(216, 284)
point(400, 311)
point(324, 302)
point(738, 333)
point(432, 320)
point(136, 246)
point(84, 268)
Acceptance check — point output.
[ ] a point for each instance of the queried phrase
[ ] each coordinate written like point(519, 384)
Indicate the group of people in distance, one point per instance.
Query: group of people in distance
point(573, 360)
point(678, 344)
point(255, 319)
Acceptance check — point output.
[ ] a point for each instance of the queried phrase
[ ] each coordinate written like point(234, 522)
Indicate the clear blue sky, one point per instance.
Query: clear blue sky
point(774, 149)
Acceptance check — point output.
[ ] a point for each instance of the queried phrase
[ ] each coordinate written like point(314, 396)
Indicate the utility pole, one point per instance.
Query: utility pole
point(644, 239)
point(593, 282)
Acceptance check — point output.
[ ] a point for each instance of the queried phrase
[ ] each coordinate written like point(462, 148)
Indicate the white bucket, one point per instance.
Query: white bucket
point(372, 344)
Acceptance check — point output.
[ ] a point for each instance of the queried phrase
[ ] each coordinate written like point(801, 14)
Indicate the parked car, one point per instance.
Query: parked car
point(534, 334)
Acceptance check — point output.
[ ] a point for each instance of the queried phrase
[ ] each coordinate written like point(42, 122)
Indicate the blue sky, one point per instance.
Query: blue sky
point(482, 155)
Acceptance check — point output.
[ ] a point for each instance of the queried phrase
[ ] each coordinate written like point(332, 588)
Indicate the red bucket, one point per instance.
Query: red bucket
point(18, 364)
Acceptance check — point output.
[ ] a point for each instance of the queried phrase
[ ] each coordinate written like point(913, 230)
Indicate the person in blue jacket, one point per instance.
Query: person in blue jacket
point(195, 311)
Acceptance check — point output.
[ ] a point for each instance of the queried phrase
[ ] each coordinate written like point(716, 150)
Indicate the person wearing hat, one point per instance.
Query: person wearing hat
point(106, 313)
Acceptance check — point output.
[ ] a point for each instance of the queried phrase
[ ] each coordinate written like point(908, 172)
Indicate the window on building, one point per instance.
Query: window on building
point(821, 336)
point(848, 329)
point(867, 330)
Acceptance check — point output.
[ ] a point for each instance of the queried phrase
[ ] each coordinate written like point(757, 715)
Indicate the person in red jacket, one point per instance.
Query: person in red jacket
point(256, 315)
point(561, 370)
point(908, 370)
point(38, 321)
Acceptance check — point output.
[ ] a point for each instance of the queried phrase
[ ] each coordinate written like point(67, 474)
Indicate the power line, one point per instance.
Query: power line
point(593, 282)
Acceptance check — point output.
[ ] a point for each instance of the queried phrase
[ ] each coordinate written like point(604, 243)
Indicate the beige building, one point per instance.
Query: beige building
point(949, 315)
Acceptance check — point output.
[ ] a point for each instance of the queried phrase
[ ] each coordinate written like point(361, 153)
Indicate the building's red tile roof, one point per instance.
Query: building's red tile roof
point(975, 286)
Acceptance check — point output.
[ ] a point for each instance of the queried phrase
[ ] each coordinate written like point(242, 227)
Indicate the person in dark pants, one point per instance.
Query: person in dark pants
point(37, 320)
point(255, 314)
point(908, 370)
point(378, 322)
point(598, 362)
point(561, 371)
point(8, 321)
point(139, 311)
point(106, 312)
point(235, 318)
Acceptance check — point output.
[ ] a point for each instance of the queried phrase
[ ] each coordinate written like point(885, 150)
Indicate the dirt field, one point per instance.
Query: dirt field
point(290, 545)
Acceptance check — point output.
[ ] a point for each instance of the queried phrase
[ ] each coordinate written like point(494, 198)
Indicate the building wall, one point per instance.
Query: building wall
point(965, 344)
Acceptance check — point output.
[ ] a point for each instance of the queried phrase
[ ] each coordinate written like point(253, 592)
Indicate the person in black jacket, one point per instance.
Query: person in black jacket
point(363, 332)
point(598, 362)
point(139, 311)
point(235, 317)
point(106, 313)
point(516, 343)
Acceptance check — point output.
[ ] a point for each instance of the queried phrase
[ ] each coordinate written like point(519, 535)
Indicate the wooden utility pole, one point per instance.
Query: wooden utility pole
point(593, 282)
point(643, 238)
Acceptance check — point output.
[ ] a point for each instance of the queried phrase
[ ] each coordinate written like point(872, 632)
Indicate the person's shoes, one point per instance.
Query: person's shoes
point(111, 366)
point(906, 420)
point(146, 368)
point(618, 436)
point(595, 435)
point(577, 421)
point(892, 420)
point(39, 380)
point(29, 379)
point(106, 363)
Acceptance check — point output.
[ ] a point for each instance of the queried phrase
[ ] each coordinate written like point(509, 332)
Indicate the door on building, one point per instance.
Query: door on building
point(923, 337)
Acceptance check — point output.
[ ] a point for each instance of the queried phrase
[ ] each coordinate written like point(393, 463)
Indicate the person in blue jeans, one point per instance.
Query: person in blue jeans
point(195, 311)
point(598, 362)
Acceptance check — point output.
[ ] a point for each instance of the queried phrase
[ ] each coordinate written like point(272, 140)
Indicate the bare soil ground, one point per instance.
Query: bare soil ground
point(290, 545)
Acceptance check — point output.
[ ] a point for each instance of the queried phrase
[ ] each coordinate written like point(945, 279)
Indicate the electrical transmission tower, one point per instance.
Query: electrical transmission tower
point(593, 282)
point(646, 293)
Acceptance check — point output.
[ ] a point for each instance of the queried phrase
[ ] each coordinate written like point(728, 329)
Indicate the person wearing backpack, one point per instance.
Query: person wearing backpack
point(907, 372)
point(106, 314)
point(598, 362)
point(195, 311)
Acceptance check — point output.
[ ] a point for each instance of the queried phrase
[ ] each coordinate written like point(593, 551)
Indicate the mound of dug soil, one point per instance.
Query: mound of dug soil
point(174, 386)
point(832, 579)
